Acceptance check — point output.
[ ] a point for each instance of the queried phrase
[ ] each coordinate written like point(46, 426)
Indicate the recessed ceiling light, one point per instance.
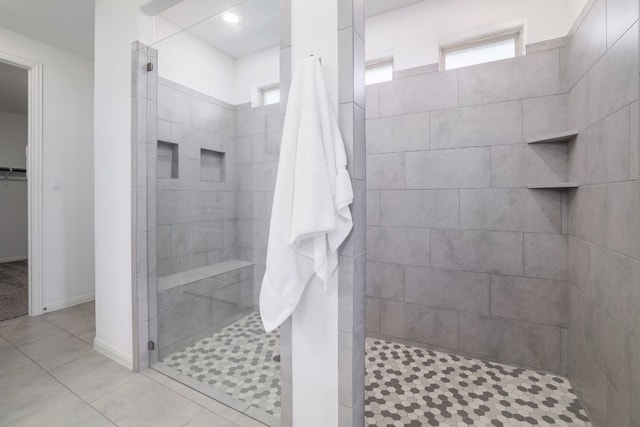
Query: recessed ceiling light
point(231, 18)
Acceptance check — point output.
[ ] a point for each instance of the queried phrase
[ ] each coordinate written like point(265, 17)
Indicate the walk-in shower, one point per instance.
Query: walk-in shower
point(214, 125)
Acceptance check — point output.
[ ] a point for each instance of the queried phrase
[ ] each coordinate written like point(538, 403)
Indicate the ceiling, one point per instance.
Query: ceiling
point(13, 89)
point(258, 28)
point(67, 24)
point(377, 7)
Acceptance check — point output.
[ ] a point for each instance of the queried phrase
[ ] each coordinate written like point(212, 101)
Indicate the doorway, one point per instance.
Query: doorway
point(20, 187)
point(14, 240)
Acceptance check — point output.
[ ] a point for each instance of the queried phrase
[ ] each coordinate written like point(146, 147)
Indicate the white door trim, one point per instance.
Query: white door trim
point(34, 174)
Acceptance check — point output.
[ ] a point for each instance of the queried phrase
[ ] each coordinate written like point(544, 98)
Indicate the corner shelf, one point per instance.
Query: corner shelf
point(552, 185)
point(565, 136)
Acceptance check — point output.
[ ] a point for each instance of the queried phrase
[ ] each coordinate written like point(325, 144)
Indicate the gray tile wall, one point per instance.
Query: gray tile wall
point(258, 132)
point(461, 255)
point(600, 74)
point(196, 218)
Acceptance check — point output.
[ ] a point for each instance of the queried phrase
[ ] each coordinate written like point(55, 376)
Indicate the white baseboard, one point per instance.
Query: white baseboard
point(13, 259)
point(70, 302)
point(105, 349)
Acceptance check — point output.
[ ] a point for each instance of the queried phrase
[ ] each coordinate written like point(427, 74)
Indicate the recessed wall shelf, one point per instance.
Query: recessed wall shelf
point(554, 137)
point(553, 185)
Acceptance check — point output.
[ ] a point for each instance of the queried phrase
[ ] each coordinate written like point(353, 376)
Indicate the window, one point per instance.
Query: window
point(481, 49)
point(378, 72)
point(270, 95)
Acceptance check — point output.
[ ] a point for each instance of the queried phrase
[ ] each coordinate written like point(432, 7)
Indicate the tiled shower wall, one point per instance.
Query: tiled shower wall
point(195, 216)
point(258, 132)
point(600, 73)
point(461, 256)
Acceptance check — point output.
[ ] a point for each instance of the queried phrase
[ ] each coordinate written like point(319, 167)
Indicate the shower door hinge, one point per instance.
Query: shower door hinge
point(149, 66)
point(151, 345)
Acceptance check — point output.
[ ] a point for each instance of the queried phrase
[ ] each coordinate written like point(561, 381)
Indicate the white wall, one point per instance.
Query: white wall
point(68, 154)
point(411, 34)
point(258, 69)
point(13, 194)
point(117, 24)
point(187, 60)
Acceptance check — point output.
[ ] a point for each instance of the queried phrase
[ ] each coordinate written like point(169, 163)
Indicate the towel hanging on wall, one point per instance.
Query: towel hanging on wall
point(310, 217)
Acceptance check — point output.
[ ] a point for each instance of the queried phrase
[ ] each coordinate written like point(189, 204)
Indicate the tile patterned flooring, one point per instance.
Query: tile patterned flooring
point(241, 361)
point(50, 376)
point(405, 385)
point(411, 386)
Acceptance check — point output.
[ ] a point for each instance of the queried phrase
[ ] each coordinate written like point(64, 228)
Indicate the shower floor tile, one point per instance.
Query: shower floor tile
point(411, 386)
point(405, 385)
point(239, 361)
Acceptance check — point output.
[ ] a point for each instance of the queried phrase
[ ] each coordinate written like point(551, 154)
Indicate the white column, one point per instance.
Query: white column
point(314, 336)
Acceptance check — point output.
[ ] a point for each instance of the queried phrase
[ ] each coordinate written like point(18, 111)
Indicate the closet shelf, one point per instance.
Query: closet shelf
point(552, 185)
point(554, 137)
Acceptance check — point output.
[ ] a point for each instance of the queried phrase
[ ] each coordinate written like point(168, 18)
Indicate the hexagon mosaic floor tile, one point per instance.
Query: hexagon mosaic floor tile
point(240, 360)
point(405, 386)
point(410, 386)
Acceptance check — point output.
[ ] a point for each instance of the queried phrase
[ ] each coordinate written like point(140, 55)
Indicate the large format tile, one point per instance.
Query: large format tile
point(588, 213)
point(450, 289)
point(579, 264)
point(481, 251)
point(425, 92)
point(419, 208)
point(610, 347)
point(207, 419)
point(545, 115)
point(68, 411)
point(527, 76)
point(532, 300)
point(511, 210)
point(74, 320)
point(26, 329)
point(11, 358)
point(419, 323)
point(458, 168)
point(511, 341)
point(56, 350)
point(589, 383)
point(623, 222)
point(399, 133)
point(397, 245)
point(614, 287)
point(584, 48)
point(517, 165)
point(92, 376)
point(621, 14)
point(385, 280)
point(492, 124)
point(25, 390)
point(545, 256)
point(385, 171)
point(142, 401)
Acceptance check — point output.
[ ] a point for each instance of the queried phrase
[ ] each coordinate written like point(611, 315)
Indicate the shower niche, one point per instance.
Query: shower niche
point(212, 165)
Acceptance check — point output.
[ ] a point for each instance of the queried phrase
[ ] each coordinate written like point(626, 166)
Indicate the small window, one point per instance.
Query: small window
point(378, 72)
point(270, 95)
point(481, 50)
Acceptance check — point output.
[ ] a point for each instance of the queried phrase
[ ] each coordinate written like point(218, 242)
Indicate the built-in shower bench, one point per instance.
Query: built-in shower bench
point(197, 274)
point(195, 303)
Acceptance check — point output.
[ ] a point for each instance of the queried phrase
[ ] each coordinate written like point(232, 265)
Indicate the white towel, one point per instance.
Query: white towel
point(310, 217)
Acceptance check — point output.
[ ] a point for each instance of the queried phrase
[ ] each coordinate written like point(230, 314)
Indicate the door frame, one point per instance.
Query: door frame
point(34, 174)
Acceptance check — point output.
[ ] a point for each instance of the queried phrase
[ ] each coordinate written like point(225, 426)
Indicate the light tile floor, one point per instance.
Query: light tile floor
point(50, 376)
